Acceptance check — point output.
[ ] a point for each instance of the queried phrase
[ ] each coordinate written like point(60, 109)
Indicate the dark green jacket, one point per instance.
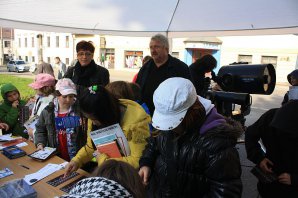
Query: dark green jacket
point(9, 114)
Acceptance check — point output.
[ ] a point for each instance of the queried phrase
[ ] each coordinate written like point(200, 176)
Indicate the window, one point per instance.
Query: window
point(245, 58)
point(67, 42)
point(57, 41)
point(269, 60)
point(49, 41)
point(20, 57)
point(26, 58)
point(133, 59)
point(33, 58)
point(175, 54)
point(19, 42)
point(26, 42)
point(49, 59)
point(7, 44)
point(67, 61)
point(32, 42)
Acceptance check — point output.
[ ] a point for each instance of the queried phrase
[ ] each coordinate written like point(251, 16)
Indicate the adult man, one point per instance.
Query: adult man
point(60, 66)
point(86, 73)
point(161, 67)
point(277, 128)
point(44, 67)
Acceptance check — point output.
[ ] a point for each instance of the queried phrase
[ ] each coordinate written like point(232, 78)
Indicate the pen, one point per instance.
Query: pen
point(24, 166)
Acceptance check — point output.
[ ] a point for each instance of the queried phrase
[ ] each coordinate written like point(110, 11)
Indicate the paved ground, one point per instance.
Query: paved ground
point(260, 104)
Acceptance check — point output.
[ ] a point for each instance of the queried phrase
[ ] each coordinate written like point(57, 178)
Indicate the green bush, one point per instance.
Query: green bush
point(21, 84)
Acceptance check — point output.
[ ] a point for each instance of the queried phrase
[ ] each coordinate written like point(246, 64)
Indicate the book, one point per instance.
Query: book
point(109, 134)
point(42, 155)
point(12, 142)
point(13, 152)
point(17, 189)
point(111, 149)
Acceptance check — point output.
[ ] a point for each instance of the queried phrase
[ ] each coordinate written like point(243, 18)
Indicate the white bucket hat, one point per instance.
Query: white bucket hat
point(172, 99)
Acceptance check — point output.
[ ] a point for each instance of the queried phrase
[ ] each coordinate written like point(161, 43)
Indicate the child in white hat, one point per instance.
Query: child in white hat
point(59, 123)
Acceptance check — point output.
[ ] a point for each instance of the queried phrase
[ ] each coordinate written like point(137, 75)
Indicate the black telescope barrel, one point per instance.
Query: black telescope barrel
point(247, 78)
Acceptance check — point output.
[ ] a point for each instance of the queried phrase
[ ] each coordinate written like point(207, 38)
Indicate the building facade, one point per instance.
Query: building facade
point(118, 52)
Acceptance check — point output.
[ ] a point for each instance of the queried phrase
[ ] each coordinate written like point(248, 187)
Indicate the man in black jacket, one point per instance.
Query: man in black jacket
point(161, 67)
point(277, 128)
point(86, 72)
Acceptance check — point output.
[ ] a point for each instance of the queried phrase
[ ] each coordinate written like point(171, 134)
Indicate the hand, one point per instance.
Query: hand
point(144, 173)
point(15, 104)
point(70, 167)
point(266, 165)
point(4, 126)
point(30, 132)
point(40, 147)
point(285, 178)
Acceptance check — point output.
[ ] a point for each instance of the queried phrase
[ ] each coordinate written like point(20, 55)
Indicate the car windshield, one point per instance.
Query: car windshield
point(20, 62)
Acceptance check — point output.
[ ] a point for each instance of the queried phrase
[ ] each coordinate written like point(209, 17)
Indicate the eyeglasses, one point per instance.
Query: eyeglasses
point(87, 54)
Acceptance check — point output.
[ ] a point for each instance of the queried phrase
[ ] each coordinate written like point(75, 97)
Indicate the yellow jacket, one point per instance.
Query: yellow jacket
point(135, 125)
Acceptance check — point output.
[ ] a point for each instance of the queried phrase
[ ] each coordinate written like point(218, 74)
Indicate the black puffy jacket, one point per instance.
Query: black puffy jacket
point(195, 165)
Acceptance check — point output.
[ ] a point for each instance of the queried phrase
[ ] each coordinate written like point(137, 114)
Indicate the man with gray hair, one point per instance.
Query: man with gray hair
point(161, 67)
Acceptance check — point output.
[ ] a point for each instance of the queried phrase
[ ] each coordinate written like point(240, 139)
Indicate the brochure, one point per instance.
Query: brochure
point(111, 149)
point(110, 134)
point(42, 155)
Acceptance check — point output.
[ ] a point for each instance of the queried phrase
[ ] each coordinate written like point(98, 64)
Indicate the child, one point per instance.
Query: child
point(10, 110)
point(67, 140)
point(100, 106)
point(112, 178)
point(293, 80)
point(44, 85)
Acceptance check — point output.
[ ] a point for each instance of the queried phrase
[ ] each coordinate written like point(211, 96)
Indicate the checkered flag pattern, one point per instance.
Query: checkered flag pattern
point(97, 187)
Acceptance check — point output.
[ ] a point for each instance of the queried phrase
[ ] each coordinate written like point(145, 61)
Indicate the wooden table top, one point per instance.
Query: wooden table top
point(42, 188)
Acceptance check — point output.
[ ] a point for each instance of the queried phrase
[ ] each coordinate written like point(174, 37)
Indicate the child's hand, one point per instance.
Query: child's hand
point(4, 126)
point(39, 147)
point(15, 104)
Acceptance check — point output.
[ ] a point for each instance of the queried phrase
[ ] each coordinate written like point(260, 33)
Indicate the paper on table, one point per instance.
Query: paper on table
point(42, 173)
point(6, 137)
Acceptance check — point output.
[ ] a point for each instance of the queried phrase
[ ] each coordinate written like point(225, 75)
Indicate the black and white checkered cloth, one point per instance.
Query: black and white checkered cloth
point(97, 187)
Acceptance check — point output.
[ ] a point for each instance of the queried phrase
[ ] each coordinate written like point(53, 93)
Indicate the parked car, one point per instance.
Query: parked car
point(18, 66)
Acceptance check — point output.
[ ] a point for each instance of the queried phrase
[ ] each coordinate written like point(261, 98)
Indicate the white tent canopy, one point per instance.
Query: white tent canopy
point(177, 18)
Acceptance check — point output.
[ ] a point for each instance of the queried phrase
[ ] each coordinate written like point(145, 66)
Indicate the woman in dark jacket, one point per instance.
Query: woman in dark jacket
point(194, 154)
point(277, 128)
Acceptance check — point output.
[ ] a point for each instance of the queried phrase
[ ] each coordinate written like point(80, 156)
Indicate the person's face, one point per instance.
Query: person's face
point(66, 100)
point(84, 57)
point(294, 81)
point(12, 96)
point(158, 52)
point(57, 61)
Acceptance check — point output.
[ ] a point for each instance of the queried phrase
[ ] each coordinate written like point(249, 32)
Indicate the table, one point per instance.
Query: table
point(42, 188)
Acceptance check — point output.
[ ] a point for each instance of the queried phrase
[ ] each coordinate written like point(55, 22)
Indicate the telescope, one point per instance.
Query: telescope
point(238, 81)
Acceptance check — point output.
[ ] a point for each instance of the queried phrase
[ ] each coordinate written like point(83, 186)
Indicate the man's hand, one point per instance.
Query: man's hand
point(285, 178)
point(70, 167)
point(144, 173)
point(266, 165)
